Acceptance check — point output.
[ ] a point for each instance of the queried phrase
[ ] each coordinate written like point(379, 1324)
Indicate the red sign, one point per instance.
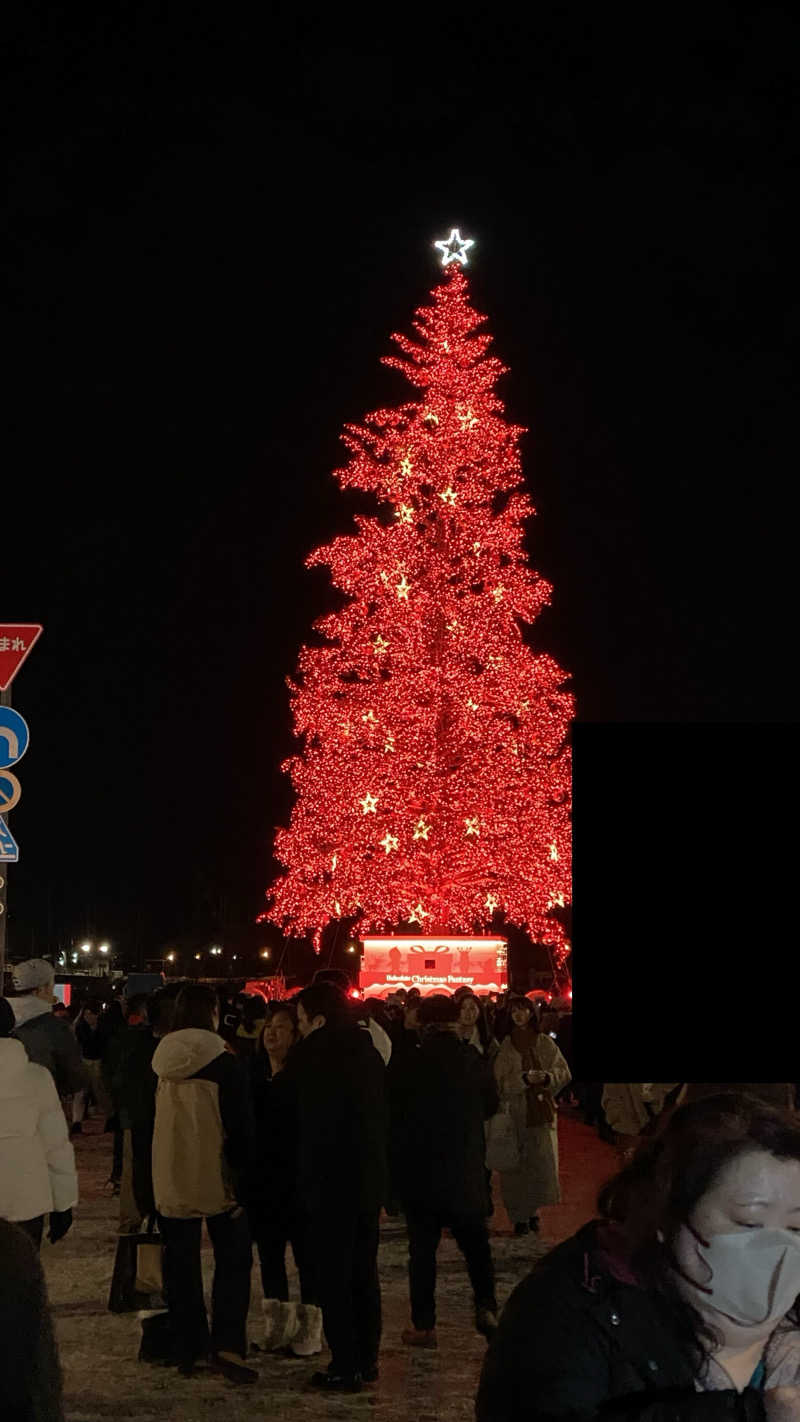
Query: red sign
point(16, 641)
point(433, 964)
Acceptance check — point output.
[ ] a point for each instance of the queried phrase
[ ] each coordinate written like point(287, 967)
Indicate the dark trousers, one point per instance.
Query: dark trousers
point(33, 1228)
point(472, 1237)
point(271, 1234)
point(344, 1249)
point(183, 1285)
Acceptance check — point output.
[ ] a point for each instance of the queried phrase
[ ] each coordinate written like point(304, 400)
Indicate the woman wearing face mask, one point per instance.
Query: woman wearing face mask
point(681, 1303)
point(530, 1072)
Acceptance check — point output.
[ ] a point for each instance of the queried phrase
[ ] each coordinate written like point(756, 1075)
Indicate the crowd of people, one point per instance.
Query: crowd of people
point(295, 1123)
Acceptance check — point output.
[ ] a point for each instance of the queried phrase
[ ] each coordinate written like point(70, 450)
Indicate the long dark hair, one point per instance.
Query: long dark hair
point(657, 1192)
point(482, 1022)
point(195, 1006)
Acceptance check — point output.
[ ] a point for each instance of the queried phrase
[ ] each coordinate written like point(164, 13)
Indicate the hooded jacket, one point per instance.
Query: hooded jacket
point(50, 1042)
point(204, 1126)
point(37, 1162)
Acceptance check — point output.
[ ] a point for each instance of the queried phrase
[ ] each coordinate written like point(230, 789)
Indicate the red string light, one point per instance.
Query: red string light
point(433, 776)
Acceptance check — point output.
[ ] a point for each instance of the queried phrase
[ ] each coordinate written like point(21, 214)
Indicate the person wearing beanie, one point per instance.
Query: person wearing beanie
point(439, 1097)
point(37, 1162)
point(48, 1040)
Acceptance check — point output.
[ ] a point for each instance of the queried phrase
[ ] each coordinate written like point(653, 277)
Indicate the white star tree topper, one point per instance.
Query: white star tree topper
point(454, 248)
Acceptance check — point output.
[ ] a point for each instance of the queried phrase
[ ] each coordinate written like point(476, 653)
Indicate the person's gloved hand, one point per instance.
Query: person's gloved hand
point(60, 1223)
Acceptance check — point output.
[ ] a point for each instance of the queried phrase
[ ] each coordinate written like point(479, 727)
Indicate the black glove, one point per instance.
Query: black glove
point(60, 1222)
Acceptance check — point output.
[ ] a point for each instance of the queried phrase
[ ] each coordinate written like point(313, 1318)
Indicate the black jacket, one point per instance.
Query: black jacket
point(53, 1044)
point(575, 1343)
point(339, 1083)
point(90, 1040)
point(271, 1185)
point(132, 1079)
point(439, 1097)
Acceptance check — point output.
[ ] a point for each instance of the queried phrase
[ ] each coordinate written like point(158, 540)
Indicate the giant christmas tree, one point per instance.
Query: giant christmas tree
point(432, 777)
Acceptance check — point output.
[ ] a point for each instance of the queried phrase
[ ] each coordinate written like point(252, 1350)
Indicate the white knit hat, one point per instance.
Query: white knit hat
point(33, 973)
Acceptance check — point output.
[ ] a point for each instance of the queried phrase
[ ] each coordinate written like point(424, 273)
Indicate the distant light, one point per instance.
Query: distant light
point(265, 952)
point(351, 947)
point(198, 955)
point(86, 947)
point(235, 956)
point(103, 947)
point(74, 957)
point(354, 992)
point(170, 957)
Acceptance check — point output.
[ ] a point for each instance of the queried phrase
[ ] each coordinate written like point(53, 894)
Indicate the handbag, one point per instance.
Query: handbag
point(502, 1147)
point(540, 1106)
point(138, 1270)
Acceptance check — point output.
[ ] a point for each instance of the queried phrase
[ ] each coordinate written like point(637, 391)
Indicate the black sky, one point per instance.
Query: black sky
point(211, 231)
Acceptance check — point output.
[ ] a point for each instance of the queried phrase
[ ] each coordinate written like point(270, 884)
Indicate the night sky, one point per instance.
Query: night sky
point(211, 230)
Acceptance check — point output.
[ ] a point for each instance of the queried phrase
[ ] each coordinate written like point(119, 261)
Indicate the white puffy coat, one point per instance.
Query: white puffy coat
point(37, 1162)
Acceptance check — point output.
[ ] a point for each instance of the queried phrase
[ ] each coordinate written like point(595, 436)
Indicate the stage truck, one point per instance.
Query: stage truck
point(433, 964)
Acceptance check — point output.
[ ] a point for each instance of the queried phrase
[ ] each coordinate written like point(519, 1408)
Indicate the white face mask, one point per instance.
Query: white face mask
point(755, 1274)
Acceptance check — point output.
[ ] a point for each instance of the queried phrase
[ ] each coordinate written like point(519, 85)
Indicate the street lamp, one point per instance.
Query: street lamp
point(86, 947)
point(265, 952)
point(170, 957)
point(103, 947)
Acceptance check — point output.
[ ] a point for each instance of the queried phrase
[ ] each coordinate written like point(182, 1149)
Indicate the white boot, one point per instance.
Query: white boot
point(280, 1321)
point(308, 1339)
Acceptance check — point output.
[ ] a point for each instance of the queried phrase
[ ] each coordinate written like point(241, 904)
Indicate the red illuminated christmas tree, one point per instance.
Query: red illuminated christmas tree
point(433, 775)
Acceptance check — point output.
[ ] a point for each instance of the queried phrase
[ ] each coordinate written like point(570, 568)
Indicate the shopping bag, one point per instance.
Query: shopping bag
point(126, 1294)
point(502, 1148)
point(150, 1268)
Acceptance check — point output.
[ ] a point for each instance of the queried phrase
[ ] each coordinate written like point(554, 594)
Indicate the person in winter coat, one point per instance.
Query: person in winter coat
point(339, 1082)
point(30, 1374)
point(680, 1304)
point(92, 1044)
point(276, 1215)
point(37, 1162)
point(530, 1072)
point(133, 1090)
point(439, 1097)
point(202, 1144)
point(47, 1040)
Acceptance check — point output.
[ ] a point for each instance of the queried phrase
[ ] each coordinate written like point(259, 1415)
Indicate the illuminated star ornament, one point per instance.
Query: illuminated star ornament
point(454, 248)
point(369, 804)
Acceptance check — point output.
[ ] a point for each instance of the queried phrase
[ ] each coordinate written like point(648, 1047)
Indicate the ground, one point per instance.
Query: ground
point(102, 1378)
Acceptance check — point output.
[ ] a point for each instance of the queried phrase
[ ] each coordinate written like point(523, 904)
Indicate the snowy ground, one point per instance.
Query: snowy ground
point(104, 1380)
